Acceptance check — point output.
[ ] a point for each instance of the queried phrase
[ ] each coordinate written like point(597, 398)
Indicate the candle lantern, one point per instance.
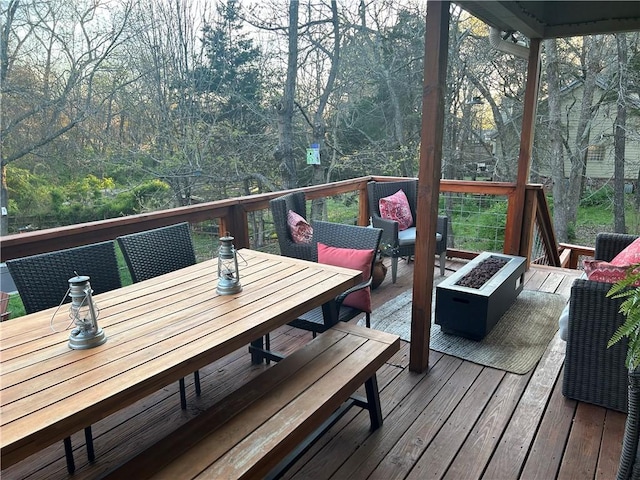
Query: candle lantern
point(228, 273)
point(84, 313)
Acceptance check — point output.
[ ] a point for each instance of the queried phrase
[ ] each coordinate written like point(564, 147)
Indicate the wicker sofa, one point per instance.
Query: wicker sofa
point(592, 372)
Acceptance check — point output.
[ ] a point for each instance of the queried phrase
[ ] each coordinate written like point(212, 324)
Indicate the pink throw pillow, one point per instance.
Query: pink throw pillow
point(396, 207)
point(350, 258)
point(629, 256)
point(601, 271)
point(301, 231)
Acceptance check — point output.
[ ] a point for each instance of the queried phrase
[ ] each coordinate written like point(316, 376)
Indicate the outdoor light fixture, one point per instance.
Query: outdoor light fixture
point(84, 313)
point(228, 273)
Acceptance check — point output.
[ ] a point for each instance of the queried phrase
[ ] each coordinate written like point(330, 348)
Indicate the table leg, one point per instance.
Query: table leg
point(88, 436)
point(68, 452)
point(258, 346)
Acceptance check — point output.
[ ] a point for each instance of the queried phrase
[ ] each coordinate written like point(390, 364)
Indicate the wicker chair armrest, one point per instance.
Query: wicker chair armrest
point(340, 298)
point(442, 227)
point(389, 230)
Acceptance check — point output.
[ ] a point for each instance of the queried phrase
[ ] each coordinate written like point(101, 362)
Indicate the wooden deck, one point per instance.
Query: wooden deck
point(459, 420)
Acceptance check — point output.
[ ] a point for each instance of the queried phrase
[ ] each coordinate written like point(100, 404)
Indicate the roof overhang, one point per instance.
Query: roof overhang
point(554, 19)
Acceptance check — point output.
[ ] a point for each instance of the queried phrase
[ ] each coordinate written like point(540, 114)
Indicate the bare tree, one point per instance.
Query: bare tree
point(619, 136)
point(54, 61)
point(285, 152)
point(567, 186)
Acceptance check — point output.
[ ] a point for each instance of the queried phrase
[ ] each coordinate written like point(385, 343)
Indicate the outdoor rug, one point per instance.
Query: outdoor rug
point(515, 344)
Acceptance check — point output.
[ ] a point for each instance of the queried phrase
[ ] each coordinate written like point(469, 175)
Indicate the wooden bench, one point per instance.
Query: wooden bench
point(264, 426)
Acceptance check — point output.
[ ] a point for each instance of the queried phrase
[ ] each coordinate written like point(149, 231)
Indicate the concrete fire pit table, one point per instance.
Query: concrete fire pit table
point(473, 312)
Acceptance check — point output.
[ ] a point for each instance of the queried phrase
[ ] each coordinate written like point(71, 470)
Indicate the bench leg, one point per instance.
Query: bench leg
point(373, 402)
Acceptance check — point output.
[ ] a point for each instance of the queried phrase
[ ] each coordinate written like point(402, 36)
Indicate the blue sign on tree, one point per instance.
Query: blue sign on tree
point(313, 154)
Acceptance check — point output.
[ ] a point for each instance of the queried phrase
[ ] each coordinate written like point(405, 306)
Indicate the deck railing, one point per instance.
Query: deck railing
point(536, 238)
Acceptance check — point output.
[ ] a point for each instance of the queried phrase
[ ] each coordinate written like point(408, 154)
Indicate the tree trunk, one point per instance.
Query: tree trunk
point(4, 201)
point(560, 220)
point(284, 154)
point(619, 137)
point(592, 53)
point(566, 191)
point(318, 206)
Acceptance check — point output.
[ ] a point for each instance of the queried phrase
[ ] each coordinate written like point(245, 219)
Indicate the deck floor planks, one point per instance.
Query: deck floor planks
point(344, 437)
point(478, 448)
point(443, 448)
point(547, 432)
point(321, 462)
point(611, 446)
point(551, 438)
point(581, 456)
point(398, 420)
point(401, 458)
point(514, 445)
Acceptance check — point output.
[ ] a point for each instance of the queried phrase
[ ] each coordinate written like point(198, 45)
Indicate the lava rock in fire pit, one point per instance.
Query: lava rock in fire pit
point(477, 277)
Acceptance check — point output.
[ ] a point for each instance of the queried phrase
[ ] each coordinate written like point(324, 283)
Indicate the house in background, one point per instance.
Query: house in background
point(599, 157)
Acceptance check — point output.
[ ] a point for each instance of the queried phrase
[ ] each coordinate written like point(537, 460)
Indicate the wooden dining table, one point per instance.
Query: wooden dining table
point(158, 331)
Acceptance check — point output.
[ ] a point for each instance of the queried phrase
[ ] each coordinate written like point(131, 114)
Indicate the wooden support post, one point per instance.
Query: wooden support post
point(516, 204)
point(528, 223)
point(435, 68)
point(363, 206)
point(235, 223)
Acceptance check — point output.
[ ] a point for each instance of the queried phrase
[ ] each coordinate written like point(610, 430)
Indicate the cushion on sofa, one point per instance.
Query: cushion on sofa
point(563, 322)
point(607, 272)
point(629, 256)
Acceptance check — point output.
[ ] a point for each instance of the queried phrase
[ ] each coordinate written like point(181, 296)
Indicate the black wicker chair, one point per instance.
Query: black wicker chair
point(42, 282)
point(594, 373)
point(321, 318)
point(279, 208)
point(402, 243)
point(155, 252)
point(343, 236)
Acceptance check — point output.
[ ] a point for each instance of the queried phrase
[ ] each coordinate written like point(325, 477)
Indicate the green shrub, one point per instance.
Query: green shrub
point(601, 197)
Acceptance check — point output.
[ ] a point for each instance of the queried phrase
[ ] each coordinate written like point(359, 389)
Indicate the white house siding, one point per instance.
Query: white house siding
point(601, 135)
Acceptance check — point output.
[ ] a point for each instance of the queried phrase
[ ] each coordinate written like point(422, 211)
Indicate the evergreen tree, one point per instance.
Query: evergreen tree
point(232, 73)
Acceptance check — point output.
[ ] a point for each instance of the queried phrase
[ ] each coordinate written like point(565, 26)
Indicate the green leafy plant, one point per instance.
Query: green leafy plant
point(630, 308)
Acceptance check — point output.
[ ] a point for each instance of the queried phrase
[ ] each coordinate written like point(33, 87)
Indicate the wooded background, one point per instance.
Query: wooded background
point(117, 107)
